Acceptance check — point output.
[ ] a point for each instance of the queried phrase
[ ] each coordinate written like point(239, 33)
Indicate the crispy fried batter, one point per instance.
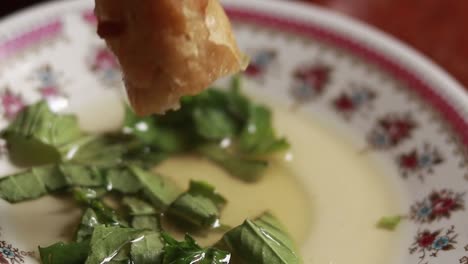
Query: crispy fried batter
point(168, 48)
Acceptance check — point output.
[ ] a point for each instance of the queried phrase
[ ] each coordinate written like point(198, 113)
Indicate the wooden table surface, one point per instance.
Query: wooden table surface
point(437, 28)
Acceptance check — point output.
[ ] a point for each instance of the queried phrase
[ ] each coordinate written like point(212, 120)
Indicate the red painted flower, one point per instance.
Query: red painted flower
point(310, 82)
point(397, 129)
point(444, 206)
point(104, 60)
point(315, 77)
point(253, 70)
point(426, 238)
point(49, 91)
point(12, 104)
point(344, 103)
point(438, 205)
point(391, 131)
point(409, 161)
point(89, 17)
point(419, 162)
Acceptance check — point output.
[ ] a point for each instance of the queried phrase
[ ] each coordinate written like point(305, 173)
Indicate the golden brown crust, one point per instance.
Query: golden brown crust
point(170, 48)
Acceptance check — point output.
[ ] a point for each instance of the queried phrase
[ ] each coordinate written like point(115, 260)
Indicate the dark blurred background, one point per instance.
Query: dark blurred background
point(437, 28)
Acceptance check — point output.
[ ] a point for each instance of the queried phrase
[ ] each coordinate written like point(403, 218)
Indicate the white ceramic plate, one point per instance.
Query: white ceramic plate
point(404, 111)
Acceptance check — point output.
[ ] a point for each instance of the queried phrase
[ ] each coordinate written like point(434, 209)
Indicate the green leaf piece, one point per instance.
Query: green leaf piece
point(82, 176)
point(96, 150)
point(249, 170)
point(103, 213)
point(199, 207)
point(258, 137)
point(157, 189)
point(262, 241)
point(149, 250)
point(123, 180)
point(60, 253)
point(34, 136)
point(186, 252)
point(148, 222)
point(165, 139)
point(108, 242)
point(31, 184)
point(138, 207)
point(389, 223)
point(213, 123)
point(143, 214)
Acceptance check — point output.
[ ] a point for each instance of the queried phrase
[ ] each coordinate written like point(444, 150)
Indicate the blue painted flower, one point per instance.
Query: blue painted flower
point(7, 253)
point(359, 97)
point(425, 160)
point(441, 242)
point(379, 139)
point(424, 211)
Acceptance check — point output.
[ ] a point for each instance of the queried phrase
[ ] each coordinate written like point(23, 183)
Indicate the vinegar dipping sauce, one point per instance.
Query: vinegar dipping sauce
point(328, 195)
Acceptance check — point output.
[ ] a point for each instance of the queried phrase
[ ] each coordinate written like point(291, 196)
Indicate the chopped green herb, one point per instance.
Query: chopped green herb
point(199, 207)
point(101, 151)
point(60, 253)
point(108, 242)
point(148, 250)
point(92, 166)
point(89, 220)
point(258, 136)
point(31, 184)
point(34, 136)
point(123, 180)
point(188, 251)
point(157, 189)
point(213, 123)
point(104, 214)
point(249, 170)
point(149, 222)
point(164, 139)
point(262, 241)
point(389, 222)
point(143, 214)
point(138, 207)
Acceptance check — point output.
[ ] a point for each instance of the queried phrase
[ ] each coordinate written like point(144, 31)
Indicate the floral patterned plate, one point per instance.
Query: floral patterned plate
point(409, 113)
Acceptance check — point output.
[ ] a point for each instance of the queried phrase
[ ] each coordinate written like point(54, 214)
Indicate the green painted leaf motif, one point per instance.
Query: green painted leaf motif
point(262, 241)
point(34, 136)
point(249, 170)
point(60, 253)
point(107, 242)
point(159, 190)
point(149, 250)
point(186, 252)
point(389, 222)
